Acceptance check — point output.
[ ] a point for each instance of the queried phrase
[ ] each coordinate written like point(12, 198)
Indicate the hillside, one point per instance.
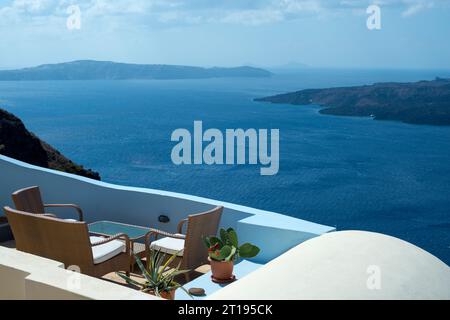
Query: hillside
point(18, 143)
point(105, 70)
point(423, 102)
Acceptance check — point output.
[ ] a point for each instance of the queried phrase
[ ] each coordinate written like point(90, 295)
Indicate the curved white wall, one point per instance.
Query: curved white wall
point(346, 265)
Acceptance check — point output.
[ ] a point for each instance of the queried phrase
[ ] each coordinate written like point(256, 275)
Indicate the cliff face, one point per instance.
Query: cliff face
point(18, 143)
point(423, 102)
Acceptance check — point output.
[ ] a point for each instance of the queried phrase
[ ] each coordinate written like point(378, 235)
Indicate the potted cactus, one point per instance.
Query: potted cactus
point(223, 251)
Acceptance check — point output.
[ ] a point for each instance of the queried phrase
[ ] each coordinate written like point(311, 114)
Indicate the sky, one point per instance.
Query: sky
point(267, 33)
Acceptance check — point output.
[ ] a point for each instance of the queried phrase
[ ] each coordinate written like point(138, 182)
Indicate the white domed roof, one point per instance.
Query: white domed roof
point(347, 265)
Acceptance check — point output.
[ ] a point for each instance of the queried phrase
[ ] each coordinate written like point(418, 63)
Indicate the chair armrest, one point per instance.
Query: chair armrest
point(119, 236)
point(51, 215)
point(180, 225)
point(74, 206)
point(156, 233)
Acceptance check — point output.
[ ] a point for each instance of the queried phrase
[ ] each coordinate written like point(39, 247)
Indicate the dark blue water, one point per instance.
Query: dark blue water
point(352, 173)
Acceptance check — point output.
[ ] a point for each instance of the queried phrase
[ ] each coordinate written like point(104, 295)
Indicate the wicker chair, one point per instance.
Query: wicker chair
point(30, 200)
point(69, 242)
point(189, 246)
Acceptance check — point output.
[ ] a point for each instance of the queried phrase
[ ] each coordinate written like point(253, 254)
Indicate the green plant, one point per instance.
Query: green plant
point(159, 276)
point(226, 248)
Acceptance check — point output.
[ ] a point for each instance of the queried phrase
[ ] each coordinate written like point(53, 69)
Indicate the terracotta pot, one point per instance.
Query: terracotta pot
point(169, 295)
point(221, 270)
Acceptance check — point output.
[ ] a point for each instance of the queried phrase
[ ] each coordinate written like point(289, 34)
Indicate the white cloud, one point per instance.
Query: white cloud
point(296, 6)
point(176, 12)
point(32, 6)
point(253, 17)
point(417, 6)
point(117, 7)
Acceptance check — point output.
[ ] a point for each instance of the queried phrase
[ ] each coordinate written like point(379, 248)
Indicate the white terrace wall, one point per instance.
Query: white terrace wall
point(25, 276)
point(104, 201)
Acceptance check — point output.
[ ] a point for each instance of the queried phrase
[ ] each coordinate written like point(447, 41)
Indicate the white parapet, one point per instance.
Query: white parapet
point(26, 276)
point(141, 206)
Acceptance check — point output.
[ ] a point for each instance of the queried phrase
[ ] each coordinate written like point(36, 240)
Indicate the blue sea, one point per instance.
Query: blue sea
point(351, 173)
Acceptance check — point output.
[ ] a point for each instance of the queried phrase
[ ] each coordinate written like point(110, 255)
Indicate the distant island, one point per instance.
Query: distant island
point(18, 143)
point(423, 102)
point(105, 70)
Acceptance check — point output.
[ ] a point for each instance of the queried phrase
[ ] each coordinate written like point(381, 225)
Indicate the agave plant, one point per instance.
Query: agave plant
point(159, 276)
point(226, 248)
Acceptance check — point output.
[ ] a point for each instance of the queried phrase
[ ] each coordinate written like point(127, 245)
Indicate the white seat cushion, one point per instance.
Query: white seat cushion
point(169, 245)
point(106, 251)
